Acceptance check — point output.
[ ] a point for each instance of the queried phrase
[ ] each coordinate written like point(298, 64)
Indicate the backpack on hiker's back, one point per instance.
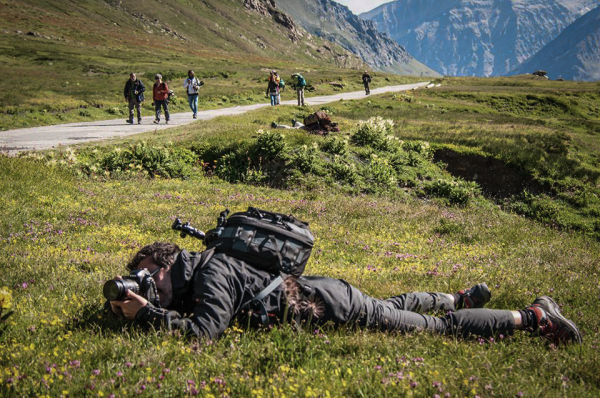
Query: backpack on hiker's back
point(273, 242)
point(301, 81)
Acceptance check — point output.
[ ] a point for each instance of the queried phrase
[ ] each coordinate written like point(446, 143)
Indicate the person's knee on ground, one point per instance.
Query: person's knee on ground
point(475, 297)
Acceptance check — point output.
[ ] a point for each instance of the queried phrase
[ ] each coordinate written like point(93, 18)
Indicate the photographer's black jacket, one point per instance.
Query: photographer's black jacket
point(209, 295)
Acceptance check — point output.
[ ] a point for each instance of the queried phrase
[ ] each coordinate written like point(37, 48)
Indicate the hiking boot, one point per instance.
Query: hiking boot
point(166, 122)
point(475, 297)
point(139, 121)
point(156, 121)
point(129, 121)
point(195, 116)
point(551, 324)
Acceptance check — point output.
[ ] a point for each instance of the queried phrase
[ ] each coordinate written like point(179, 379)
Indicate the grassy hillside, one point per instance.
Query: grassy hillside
point(69, 60)
point(387, 216)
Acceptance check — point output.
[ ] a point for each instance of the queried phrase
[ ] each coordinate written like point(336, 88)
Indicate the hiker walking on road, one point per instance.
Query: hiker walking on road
point(160, 93)
point(134, 95)
point(192, 86)
point(273, 88)
point(300, 86)
point(280, 85)
point(366, 79)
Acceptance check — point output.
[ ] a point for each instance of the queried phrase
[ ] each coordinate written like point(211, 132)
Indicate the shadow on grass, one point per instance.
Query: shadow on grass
point(3, 319)
point(94, 318)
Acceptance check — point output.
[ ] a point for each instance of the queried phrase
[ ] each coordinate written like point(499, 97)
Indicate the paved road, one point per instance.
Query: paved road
point(46, 137)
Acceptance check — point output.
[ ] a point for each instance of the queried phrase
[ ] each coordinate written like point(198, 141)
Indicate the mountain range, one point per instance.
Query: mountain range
point(476, 37)
point(574, 54)
point(336, 23)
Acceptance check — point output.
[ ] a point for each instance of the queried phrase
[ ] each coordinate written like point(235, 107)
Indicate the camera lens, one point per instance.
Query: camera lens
point(116, 289)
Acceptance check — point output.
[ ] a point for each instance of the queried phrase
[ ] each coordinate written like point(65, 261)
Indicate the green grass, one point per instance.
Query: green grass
point(68, 235)
point(70, 219)
point(65, 232)
point(75, 67)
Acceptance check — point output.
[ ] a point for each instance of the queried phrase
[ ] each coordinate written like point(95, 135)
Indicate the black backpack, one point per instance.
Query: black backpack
point(273, 242)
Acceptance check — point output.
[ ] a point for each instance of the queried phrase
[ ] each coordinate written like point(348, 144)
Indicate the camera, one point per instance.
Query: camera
point(139, 281)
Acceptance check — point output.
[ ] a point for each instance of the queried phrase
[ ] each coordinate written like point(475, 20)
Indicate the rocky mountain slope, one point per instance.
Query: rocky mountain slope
point(232, 29)
point(476, 37)
point(574, 54)
point(336, 23)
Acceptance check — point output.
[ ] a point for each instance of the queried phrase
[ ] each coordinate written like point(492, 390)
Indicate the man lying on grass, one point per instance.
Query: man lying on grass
point(216, 292)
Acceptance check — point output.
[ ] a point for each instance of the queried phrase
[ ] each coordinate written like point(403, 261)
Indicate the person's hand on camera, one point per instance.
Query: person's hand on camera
point(130, 306)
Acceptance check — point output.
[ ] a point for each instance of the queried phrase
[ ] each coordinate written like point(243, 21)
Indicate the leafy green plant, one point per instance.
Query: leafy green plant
point(268, 146)
point(456, 191)
point(306, 159)
point(232, 167)
point(335, 145)
point(379, 174)
point(376, 133)
point(343, 171)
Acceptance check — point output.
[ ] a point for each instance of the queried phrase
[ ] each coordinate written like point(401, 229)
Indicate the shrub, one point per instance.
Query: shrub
point(232, 167)
point(306, 159)
point(457, 192)
point(171, 162)
point(343, 171)
point(268, 146)
point(335, 146)
point(420, 147)
point(375, 133)
point(379, 174)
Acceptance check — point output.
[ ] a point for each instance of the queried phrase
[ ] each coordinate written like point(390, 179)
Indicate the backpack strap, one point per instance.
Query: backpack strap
point(258, 299)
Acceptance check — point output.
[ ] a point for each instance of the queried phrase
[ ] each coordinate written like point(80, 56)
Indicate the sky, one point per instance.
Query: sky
point(358, 6)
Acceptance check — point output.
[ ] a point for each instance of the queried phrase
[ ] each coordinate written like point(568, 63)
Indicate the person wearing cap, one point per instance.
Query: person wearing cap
point(160, 93)
point(192, 86)
point(134, 95)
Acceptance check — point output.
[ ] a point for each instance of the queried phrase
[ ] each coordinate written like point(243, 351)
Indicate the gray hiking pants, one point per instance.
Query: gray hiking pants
point(405, 313)
point(300, 91)
point(134, 103)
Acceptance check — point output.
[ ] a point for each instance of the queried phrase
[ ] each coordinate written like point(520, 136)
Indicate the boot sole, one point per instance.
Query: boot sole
point(553, 309)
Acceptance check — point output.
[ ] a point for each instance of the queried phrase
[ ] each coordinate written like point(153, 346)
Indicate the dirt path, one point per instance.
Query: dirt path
point(46, 137)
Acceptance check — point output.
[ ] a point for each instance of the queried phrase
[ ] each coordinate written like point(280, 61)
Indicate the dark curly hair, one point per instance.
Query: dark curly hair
point(163, 254)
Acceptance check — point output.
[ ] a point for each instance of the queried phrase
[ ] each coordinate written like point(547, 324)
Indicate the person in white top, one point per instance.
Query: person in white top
point(192, 86)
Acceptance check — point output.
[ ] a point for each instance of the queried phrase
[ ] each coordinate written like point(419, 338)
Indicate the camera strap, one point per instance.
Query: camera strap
point(258, 299)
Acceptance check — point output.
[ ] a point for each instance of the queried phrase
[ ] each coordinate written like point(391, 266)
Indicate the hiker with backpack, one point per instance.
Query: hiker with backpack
point(300, 86)
point(192, 87)
point(273, 88)
point(160, 93)
point(366, 79)
point(251, 273)
point(134, 95)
